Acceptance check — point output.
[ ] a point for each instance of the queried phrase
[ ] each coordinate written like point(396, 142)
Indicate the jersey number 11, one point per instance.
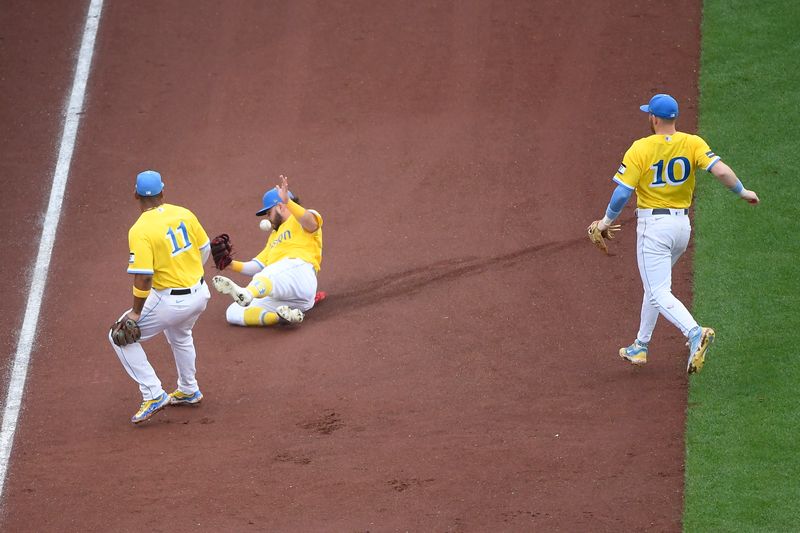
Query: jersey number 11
point(176, 249)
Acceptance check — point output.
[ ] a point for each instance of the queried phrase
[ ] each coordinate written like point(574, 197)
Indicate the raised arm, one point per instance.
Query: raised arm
point(307, 219)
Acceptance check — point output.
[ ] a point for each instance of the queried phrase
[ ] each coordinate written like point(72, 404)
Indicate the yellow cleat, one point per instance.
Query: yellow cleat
point(150, 407)
point(181, 398)
point(698, 346)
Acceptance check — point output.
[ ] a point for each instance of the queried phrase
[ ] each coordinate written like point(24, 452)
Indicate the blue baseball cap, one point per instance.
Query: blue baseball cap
point(148, 183)
point(270, 200)
point(662, 106)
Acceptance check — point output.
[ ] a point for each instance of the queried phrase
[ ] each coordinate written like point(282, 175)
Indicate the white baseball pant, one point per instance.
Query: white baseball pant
point(175, 315)
point(660, 241)
point(294, 283)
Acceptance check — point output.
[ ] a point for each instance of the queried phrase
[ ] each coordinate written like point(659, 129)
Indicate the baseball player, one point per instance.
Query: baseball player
point(284, 274)
point(661, 169)
point(168, 247)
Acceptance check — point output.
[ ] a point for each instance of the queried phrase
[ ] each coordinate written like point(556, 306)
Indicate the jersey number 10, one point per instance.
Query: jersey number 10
point(670, 166)
point(176, 249)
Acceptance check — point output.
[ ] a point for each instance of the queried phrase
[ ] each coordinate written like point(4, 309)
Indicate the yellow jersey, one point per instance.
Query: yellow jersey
point(661, 169)
point(290, 240)
point(165, 242)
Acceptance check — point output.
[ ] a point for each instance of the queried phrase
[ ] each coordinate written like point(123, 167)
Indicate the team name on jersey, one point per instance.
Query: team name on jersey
point(283, 236)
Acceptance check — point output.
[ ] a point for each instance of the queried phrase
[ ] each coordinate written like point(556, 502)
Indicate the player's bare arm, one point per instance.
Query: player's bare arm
point(144, 283)
point(728, 178)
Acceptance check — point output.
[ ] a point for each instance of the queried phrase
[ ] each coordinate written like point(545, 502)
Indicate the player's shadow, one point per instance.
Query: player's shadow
point(412, 281)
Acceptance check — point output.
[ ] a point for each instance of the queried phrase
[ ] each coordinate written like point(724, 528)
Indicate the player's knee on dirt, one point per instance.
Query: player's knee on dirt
point(260, 287)
point(235, 314)
point(260, 317)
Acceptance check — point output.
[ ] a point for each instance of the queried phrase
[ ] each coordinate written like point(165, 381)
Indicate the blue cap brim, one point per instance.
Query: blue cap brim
point(263, 210)
point(645, 108)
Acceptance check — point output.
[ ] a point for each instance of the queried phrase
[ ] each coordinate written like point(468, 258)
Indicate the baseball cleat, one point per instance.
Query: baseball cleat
point(181, 398)
point(635, 354)
point(150, 407)
point(289, 315)
point(698, 346)
point(226, 286)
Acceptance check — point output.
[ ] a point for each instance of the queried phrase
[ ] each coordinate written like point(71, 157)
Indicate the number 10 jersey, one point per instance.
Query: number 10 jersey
point(661, 169)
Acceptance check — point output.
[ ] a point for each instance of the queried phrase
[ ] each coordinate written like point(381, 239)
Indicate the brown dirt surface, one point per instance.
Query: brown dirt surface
point(461, 375)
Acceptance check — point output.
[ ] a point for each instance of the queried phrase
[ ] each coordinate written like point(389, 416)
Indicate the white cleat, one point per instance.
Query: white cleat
point(225, 286)
point(287, 314)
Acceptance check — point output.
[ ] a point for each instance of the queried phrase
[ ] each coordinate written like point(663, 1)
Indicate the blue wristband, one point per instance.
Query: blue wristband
point(737, 188)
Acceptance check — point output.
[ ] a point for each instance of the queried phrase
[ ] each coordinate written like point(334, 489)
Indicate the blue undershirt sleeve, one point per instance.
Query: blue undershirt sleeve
point(619, 198)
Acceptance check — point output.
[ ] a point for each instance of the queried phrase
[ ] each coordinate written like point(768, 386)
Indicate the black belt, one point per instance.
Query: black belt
point(178, 292)
point(666, 211)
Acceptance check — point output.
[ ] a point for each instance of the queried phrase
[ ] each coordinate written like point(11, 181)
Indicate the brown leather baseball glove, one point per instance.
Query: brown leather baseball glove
point(598, 237)
point(222, 251)
point(125, 331)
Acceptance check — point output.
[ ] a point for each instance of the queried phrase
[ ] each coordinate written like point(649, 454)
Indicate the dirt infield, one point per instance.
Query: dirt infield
point(462, 375)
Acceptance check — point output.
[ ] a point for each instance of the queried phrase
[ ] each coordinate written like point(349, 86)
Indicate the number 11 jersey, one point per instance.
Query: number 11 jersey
point(165, 242)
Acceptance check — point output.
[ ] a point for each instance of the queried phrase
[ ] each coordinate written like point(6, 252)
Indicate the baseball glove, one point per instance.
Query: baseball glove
point(222, 251)
point(598, 237)
point(125, 331)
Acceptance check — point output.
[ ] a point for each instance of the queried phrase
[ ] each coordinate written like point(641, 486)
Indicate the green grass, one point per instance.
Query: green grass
point(743, 422)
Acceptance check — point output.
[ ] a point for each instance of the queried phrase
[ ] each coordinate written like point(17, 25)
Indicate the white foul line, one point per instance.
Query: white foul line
point(22, 357)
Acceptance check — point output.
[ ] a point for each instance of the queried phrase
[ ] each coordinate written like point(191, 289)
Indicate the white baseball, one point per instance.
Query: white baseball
point(265, 225)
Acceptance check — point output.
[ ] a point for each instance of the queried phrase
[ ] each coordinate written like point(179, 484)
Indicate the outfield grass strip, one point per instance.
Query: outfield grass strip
point(743, 420)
